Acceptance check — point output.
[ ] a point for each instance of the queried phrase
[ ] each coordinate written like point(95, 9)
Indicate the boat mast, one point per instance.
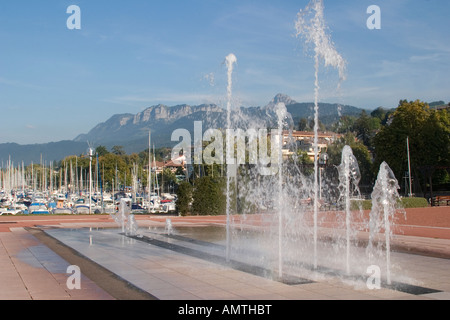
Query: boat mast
point(91, 153)
point(149, 169)
point(156, 177)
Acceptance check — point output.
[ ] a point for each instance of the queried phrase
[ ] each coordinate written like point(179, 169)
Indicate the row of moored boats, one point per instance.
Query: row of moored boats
point(20, 202)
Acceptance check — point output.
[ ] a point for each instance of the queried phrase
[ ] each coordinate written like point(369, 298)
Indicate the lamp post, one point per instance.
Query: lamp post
point(409, 168)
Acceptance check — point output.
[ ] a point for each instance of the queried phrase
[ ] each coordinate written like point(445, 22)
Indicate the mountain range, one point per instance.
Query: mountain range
point(131, 130)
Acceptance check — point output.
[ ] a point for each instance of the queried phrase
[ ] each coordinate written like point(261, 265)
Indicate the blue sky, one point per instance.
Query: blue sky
point(56, 83)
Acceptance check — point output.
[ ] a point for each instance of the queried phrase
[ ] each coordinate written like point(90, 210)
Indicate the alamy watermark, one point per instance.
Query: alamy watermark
point(374, 280)
point(74, 280)
point(241, 147)
point(74, 20)
point(374, 21)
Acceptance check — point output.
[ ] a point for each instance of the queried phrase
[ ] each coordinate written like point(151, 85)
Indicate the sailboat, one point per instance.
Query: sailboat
point(153, 201)
point(38, 205)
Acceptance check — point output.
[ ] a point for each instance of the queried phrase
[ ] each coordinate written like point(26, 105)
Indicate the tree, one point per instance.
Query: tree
point(303, 125)
point(390, 142)
point(365, 128)
point(108, 164)
point(101, 151)
point(118, 150)
point(208, 196)
point(167, 179)
point(428, 131)
point(345, 124)
point(381, 114)
point(184, 198)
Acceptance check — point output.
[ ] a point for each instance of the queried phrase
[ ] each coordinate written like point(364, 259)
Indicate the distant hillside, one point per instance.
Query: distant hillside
point(32, 153)
point(328, 113)
point(131, 130)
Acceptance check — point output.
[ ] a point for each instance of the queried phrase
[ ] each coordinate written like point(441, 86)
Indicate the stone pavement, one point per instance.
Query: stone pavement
point(31, 270)
point(171, 275)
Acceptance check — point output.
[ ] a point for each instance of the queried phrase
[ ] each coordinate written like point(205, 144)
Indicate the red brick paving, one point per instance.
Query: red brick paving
point(7, 222)
point(432, 222)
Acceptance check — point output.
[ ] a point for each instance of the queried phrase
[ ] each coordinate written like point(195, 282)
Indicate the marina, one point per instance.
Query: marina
point(46, 190)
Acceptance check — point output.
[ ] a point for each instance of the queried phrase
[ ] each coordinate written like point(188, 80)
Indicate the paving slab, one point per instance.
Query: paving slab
point(31, 268)
point(171, 275)
point(31, 271)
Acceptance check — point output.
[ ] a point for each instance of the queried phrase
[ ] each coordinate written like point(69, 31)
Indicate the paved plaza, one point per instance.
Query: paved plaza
point(31, 268)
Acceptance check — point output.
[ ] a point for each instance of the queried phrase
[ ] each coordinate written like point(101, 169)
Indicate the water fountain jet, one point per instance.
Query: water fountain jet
point(385, 204)
point(281, 112)
point(349, 176)
point(230, 60)
point(169, 227)
point(310, 25)
point(124, 219)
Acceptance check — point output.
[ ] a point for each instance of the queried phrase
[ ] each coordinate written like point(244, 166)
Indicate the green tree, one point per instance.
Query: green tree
point(108, 164)
point(428, 131)
point(381, 114)
point(184, 198)
point(303, 125)
point(365, 128)
point(390, 142)
point(118, 150)
point(345, 124)
point(167, 179)
point(101, 151)
point(209, 196)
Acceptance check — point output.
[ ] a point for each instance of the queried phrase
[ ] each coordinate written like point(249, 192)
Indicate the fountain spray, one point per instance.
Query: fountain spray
point(349, 177)
point(385, 203)
point(230, 60)
point(281, 111)
point(310, 25)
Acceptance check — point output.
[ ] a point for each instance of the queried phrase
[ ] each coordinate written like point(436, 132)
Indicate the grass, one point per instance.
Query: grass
point(404, 202)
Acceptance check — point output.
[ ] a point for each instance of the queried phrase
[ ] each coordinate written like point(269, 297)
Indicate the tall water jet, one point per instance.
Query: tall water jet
point(349, 177)
point(230, 60)
point(281, 112)
point(310, 25)
point(385, 204)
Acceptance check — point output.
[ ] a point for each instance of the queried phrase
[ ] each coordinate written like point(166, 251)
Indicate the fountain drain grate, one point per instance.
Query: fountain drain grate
point(409, 288)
